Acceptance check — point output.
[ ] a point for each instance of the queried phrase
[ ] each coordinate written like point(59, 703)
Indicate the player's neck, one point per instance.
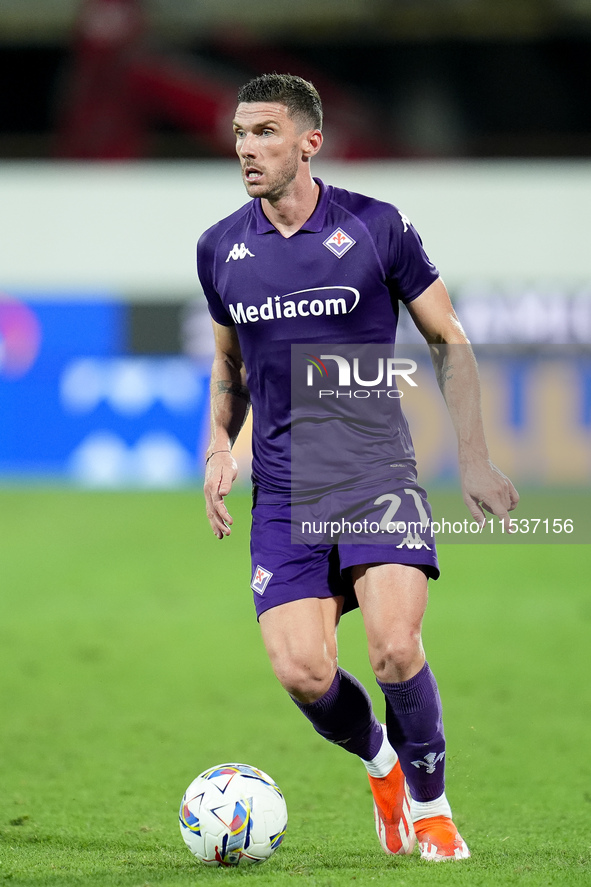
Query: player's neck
point(291, 211)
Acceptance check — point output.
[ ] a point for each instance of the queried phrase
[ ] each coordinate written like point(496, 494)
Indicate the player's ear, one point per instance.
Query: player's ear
point(311, 144)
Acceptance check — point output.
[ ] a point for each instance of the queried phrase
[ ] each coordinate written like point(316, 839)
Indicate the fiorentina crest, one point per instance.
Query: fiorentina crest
point(339, 242)
point(260, 579)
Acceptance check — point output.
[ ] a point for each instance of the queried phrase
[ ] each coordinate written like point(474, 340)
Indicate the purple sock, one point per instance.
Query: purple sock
point(415, 730)
point(344, 716)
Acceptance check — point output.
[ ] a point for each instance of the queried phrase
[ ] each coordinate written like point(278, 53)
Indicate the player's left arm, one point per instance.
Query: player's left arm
point(483, 485)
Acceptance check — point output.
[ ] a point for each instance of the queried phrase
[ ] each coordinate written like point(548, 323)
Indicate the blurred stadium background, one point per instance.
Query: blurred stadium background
point(116, 153)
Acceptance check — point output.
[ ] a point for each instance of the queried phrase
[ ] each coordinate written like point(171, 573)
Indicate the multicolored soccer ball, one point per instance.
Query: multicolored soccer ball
point(233, 814)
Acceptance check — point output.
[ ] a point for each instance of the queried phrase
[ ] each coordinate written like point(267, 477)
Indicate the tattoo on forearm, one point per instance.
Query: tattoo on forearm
point(235, 388)
point(444, 373)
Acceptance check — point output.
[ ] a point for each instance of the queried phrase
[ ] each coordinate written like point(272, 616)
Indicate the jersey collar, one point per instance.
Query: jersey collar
point(314, 224)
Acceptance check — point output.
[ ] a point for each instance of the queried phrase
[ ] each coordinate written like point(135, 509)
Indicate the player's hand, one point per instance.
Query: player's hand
point(220, 473)
point(485, 488)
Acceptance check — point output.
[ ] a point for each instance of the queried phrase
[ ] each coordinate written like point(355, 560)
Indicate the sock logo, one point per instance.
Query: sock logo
point(429, 761)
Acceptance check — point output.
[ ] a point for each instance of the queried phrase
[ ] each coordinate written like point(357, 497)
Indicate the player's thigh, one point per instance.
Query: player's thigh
point(301, 641)
point(392, 598)
point(284, 572)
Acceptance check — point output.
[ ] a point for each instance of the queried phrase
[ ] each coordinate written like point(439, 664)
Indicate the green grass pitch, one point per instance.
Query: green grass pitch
point(130, 660)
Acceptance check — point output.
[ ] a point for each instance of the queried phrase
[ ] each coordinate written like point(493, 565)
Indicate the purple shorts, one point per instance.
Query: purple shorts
point(287, 567)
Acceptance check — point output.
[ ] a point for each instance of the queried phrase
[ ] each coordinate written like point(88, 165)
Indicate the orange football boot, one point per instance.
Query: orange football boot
point(391, 807)
point(439, 839)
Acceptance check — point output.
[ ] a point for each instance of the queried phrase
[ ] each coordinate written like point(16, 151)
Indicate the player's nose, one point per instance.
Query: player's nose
point(247, 147)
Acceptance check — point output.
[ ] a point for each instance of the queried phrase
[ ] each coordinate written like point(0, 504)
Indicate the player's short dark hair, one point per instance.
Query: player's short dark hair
point(299, 96)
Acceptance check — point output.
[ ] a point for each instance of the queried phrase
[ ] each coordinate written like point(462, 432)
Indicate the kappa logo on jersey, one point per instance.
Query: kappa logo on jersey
point(260, 579)
point(405, 222)
point(239, 252)
point(339, 243)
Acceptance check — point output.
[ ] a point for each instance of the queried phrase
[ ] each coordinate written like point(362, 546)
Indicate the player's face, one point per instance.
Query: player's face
point(270, 146)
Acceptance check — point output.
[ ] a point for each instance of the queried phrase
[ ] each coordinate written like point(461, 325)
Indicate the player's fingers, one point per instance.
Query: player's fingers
point(219, 526)
point(501, 498)
point(218, 483)
point(226, 480)
point(217, 513)
point(501, 510)
point(508, 525)
point(513, 496)
point(224, 487)
point(222, 519)
point(223, 514)
point(507, 494)
point(475, 510)
point(216, 521)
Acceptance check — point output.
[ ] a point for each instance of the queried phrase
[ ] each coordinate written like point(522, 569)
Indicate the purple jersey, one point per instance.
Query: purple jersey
point(338, 279)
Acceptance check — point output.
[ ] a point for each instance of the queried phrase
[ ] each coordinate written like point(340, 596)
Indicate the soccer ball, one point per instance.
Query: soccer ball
point(233, 814)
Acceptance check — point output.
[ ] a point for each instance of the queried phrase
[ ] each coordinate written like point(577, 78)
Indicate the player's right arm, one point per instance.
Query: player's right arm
point(230, 402)
point(483, 485)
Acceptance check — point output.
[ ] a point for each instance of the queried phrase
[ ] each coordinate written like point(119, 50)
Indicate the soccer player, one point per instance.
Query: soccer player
point(305, 262)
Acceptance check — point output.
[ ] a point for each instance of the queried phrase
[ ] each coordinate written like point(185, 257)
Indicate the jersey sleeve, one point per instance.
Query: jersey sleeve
point(409, 269)
point(206, 272)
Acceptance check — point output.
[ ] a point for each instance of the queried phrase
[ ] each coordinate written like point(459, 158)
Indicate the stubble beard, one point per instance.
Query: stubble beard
point(280, 186)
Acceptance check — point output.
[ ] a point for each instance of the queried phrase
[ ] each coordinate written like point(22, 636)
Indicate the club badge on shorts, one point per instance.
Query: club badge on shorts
point(260, 579)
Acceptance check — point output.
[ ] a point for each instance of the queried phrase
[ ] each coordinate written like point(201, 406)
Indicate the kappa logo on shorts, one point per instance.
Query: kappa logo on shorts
point(339, 242)
point(260, 579)
point(413, 541)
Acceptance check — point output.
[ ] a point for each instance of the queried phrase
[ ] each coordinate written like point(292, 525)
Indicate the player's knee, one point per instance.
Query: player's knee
point(397, 659)
point(303, 680)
